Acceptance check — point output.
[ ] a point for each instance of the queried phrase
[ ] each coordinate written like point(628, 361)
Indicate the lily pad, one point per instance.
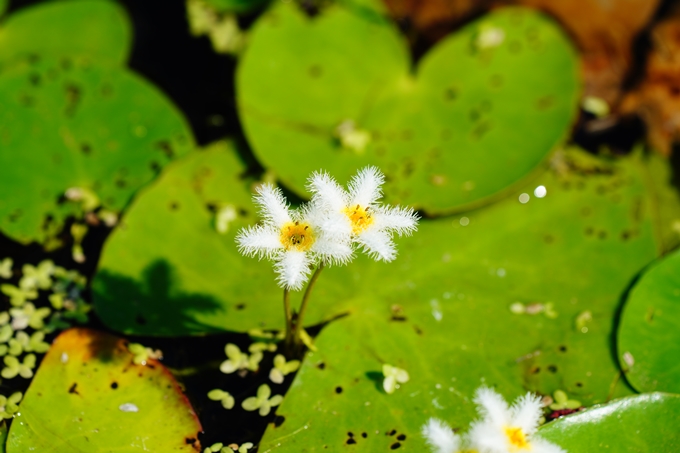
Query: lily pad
point(338, 91)
point(446, 312)
point(236, 6)
point(649, 332)
point(3, 6)
point(99, 28)
point(68, 123)
point(637, 424)
point(89, 396)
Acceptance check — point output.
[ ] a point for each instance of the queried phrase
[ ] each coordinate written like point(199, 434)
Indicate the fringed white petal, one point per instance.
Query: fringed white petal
point(539, 445)
point(526, 413)
point(397, 219)
point(326, 191)
point(293, 268)
point(485, 437)
point(333, 251)
point(327, 222)
point(492, 407)
point(259, 240)
point(440, 437)
point(377, 244)
point(273, 205)
point(364, 188)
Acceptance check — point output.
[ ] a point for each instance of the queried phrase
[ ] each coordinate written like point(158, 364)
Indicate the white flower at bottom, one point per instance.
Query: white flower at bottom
point(293, 239)
point(508, 429)
point(440, 437)
point(356, 213)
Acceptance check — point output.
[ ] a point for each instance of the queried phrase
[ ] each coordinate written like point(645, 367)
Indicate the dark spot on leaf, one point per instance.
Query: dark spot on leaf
point(27, 101)
point(552, 368)
point(73, 390)
point(350, 441)
point(66, 64)
point(392, 433)
point(174, 206)
point(141, 320)
point(450, 94)
point(315, 71)
point(14, 216)
point(602, 234)
point(85, 148)
point(33, 58)
point(401, 437)
point(474, 115)
point(395, 445)
point(114, 385)
point(350, 434)
point(535, 370)
point(240, 306)
point(545, 102)
point(563, 348)
point(417, 329)
point(548, 239)
point(120, 183)
point(589, 231)
point(579, 384)
point(34, 79)
point(278, 420)
point(481, 129)
point(190, 440)
point(166, 147)
point(338, 389)
point(73, 95)
point(321, 365)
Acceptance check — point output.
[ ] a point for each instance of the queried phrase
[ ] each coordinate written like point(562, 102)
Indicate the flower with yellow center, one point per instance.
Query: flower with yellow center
point(293, 239)
point(508, 429)
point(363, 220)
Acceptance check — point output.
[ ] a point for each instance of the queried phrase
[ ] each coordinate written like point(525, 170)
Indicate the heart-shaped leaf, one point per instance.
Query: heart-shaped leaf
point(98, 28)
point(338, 91)
point(637, 424)
point(649, 332)
point(68, 123)
point(89, 396)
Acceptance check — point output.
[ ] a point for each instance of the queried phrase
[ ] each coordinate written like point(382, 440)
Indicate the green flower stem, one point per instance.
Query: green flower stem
point(288, 316)
point(303, 306)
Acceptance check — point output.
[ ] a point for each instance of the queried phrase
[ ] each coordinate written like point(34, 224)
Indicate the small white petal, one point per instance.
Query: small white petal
point(539, 445)
point(526, 413)
point(389, 384)
point(440, 437)
point(259, 240)
point(364, 188)
point(326, 191)
point(273, 205)
point(492, 406)
point(487, 437)
point(128, 407)
point(377, 244)
point(397, 219)
point(293, 268)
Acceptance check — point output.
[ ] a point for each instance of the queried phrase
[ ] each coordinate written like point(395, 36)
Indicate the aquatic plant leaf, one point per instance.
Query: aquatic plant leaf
point(636, 424)
point(235, 6)
point(170, 271)
point(86, 125)
point(3, 6)
point(336, 91)
point(442, 312)
point(98, 28)
point(89, 396)
point(649, 331)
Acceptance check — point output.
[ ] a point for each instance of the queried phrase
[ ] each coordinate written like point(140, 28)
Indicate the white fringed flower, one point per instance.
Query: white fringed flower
point(440, 437)
point(365, 221)
point(293, 239)
point(508, 429)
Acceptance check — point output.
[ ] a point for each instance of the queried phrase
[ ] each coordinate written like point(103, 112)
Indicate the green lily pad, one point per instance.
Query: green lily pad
point(445, 312)
point(3, 6)
point(338, 91)
point(68, 123)
point(649, 332)
point(89, 396)
point(637, 424)
point(182, 276)
point(236, 6)
point(99, 28)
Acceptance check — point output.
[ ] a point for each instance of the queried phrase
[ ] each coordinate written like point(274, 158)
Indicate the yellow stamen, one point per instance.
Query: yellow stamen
point(297, 236)
point(360, 217)
point(517, 438)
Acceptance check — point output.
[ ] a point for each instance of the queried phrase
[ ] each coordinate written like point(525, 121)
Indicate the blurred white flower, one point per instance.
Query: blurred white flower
point(440, 437)
point(366, 222)
point(393, 377)
point(293, 239)
point(508, 429)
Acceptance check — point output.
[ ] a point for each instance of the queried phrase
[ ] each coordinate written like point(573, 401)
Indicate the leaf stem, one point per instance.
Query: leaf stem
point(288, 315)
